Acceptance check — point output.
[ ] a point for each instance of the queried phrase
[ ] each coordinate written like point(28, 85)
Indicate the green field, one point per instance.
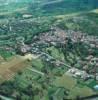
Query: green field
point(70, 84)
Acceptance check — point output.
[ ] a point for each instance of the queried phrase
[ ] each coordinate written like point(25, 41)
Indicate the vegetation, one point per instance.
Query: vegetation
point(48, 49)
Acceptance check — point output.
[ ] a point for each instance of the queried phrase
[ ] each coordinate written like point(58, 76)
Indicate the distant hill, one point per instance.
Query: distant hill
point(6, 2)
point(57, 7)
point(47, 7)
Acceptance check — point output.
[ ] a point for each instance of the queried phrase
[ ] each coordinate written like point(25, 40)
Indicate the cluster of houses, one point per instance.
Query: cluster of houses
point(25, 49)
point(91, 64)
point(92, 41)
point(75, 36)
point(53, 37)
point(83, 37)
point(74, 72)
point(57, 37)
point(93, 61)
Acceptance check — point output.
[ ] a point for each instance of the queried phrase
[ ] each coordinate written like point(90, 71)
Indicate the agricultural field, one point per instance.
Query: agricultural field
point(70, 84)
point(9, 68)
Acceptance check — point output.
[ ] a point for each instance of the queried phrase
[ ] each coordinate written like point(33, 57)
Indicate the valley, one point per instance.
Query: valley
point(49, 50)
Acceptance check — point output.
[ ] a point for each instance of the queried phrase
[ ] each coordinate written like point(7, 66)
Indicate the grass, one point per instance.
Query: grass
point(5, 54)
point(26, 78)
point(92, 83)
point(12, 7)
point(56, 53)
point(75, 89)
point(38, 63)
point(65, 81)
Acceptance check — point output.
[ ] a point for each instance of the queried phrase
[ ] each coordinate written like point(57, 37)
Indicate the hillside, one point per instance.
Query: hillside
point(47, 7)
point(48, 49)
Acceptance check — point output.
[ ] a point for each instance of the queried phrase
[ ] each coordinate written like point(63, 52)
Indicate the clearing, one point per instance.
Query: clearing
point(9, 68)
point(71, 84)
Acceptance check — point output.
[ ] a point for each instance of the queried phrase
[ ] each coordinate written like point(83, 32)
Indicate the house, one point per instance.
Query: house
point(89, 57)
point(78, 73)
point(24, 49)
point(27, 16)
point(94, 59)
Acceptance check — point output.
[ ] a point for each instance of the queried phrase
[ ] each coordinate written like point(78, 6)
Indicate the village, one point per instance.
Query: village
point(48, 50)
point(58, 38)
